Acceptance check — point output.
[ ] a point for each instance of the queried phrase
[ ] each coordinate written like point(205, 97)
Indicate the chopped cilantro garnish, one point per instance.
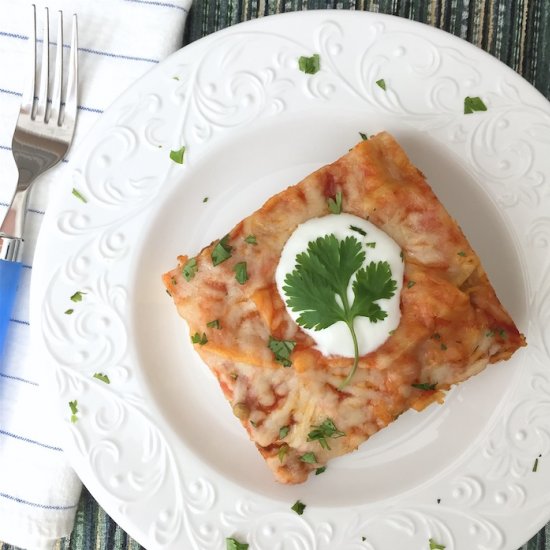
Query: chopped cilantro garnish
point(251, 239)
point(364, 137)
point(318, 287)
point(381, 83)
point(69, 311)
point(222, 251)
point(79, 195)
point(320, 470)
point(103, 377)
point(298, 507)
point(473, 104)
point(536, 465)
point(435, 546)
point(234, 544)
point(424, 386)
point(370, 245)
point(205, 199)
point(283, 449)
point(240, 272)
point(190, 269)
point(490, 333)
point(410, 284)
point(309, 458)
point(77, 296)
point(281, 350)
point(214, 324)
point(74, 410)
point(502, 333)
point(322, 432)
point(177, 156)
point(358, 230)
point(310, 65)
point(436, 336)
point(200, 339)
point(461, 253)
point(443, 347)
point(363, 539)
point(335, 204)
point(283, 431)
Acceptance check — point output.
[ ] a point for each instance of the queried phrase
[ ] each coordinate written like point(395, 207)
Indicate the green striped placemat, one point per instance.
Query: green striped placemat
point(515, 31)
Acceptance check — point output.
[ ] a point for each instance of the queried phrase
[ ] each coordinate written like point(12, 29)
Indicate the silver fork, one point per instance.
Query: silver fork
point(42, 137)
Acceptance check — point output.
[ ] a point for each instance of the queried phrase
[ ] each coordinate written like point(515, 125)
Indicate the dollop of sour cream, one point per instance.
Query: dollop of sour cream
point(337, 339)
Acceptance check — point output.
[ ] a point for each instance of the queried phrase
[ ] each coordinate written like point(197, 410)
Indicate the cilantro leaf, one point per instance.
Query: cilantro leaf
point(435, 546)
point(364, 136)
point(177, 156)
point(309, 458)
point(536, 465)
point(190, 268)
point(234, 544)
point(310, 65)
point(79, 195)
point(473, 104)
point(251, 239)
point(322, 432)
point(222, 251)
point(214, 324)
point(103, 377)
point(298, 507)
point(317, 288)
point(358, 230)
point(320, 470)
point(77, 296)
point(241, 273)
point(283, 431)
point(73, 405)
point(372, 283)
point(200, 339)
point(281, 350)
point(69, 311)
point(335, 204)
point(381, 83)
point(424, 386)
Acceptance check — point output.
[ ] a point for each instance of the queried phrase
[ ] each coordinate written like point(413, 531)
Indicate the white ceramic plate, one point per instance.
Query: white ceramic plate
point(158, 447)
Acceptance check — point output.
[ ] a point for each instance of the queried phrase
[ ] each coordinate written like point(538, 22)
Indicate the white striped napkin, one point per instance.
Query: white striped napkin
point(119, 41)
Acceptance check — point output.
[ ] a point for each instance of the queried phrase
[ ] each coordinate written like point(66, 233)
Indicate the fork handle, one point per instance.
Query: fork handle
point(10, 274)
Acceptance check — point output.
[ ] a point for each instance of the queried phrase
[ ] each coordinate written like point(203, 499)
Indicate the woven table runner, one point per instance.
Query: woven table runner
point(515, 31)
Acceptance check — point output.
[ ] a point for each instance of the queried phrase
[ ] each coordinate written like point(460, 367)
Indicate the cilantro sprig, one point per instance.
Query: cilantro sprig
point(318, 287)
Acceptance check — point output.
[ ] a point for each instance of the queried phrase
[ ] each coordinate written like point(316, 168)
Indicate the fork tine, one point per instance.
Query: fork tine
point(58, 76)
point(44, 71)
point(71, 97)
point(27, 100)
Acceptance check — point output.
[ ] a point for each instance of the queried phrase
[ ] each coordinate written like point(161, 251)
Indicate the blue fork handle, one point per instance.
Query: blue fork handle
point(10, 274)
